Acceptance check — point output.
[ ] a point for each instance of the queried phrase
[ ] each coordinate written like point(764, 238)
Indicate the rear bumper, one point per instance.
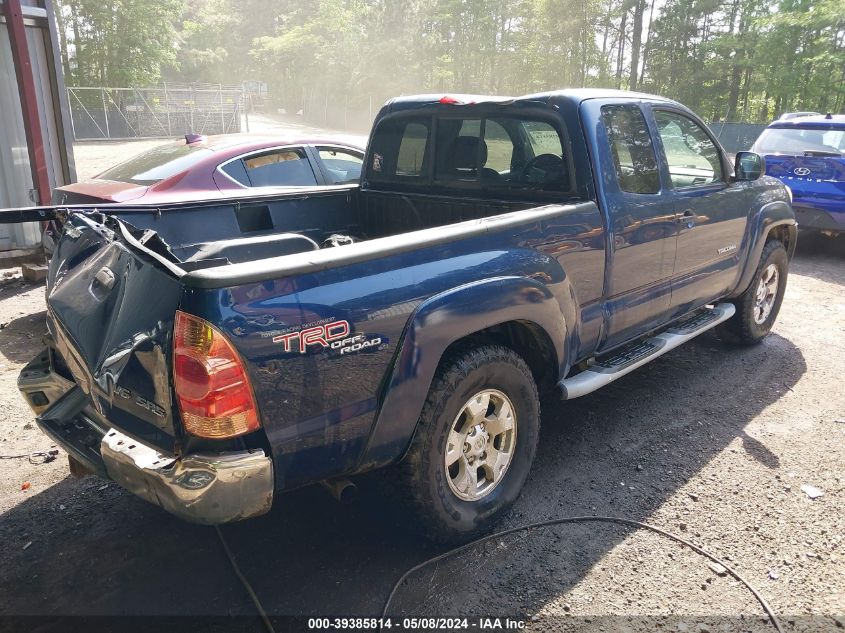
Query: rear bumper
point(200, 488)
point(206, 488)
point(818, 219)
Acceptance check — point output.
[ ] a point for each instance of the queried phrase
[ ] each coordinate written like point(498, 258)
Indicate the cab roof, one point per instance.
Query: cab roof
point(574, 96)
point(819, 122)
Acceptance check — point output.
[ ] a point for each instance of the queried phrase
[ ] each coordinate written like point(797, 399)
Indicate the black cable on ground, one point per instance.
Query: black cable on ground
point(267, 624)
point(36, 457)
point(531, 526)
point(585, 519)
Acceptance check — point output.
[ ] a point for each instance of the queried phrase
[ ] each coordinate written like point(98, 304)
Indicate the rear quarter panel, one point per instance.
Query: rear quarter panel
point(319, 406)
point(818, 189)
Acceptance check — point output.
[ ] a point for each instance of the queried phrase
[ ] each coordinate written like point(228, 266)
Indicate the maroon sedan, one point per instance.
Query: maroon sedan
point(220, 166)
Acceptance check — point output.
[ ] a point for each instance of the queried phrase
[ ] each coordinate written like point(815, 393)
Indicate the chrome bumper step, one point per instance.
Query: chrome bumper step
point(621, 363)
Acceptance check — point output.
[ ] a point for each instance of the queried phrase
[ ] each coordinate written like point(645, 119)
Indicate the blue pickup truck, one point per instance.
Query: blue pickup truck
point(209, 355)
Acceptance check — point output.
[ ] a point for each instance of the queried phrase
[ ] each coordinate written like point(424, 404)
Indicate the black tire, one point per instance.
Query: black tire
point(429, 503)
point(742, 328)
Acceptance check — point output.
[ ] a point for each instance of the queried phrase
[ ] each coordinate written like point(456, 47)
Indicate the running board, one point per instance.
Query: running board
point(605, 370)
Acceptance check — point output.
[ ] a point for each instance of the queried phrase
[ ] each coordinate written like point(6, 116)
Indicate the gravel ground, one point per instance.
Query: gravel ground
point(710, 442)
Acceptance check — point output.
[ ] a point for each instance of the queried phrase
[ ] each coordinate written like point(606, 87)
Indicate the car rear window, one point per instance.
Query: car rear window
point(157, 164)
point(502, 154)
point(800, 140)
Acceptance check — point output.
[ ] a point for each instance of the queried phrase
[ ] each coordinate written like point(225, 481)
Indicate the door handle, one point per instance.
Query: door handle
point(687, 218)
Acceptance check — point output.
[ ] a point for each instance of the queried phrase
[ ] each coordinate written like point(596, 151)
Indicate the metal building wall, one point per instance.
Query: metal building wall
point(17, 187)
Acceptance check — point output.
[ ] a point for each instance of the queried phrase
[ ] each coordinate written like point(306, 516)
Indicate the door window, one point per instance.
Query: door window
point(278, 168)
point(692, 157)
point(632, 149)
point(341, 165)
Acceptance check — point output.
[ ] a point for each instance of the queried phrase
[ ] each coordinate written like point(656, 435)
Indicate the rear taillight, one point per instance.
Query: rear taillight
point(211, 382)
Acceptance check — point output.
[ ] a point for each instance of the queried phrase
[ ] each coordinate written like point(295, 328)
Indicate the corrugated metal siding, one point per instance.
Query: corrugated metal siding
point(15, 173)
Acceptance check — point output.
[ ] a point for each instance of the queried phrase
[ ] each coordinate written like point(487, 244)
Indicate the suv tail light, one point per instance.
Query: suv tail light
point(211, 382)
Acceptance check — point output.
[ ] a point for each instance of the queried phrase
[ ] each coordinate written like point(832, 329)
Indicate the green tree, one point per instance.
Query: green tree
point(119, 43)
point(734, 59)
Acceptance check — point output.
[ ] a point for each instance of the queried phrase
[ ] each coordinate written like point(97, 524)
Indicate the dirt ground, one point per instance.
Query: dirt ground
point(710, 442)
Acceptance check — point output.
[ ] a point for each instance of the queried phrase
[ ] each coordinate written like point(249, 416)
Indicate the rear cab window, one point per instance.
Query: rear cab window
point(400, 149)
point(483, 155)
point(157, 164)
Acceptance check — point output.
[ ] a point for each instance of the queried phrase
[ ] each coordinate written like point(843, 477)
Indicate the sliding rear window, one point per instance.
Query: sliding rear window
point(495, 154)
point(400, 151)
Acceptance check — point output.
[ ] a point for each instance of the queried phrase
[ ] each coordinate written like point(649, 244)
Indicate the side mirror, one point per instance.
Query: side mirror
point(748, 166)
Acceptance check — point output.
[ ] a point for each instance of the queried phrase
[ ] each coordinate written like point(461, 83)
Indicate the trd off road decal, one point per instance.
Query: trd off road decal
point(335, 336)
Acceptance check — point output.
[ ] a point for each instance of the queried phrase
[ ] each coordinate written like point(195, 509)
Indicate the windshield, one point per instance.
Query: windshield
point(800, 140)
point(157, 164)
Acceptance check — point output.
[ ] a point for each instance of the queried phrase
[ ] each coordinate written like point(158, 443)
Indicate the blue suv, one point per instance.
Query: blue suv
point(807, 153)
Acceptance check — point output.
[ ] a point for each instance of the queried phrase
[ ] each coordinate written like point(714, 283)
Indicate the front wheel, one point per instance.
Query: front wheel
point(474, 443)
point(758, 307)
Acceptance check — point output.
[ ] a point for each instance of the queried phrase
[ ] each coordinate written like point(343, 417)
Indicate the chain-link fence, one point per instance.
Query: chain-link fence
point(166, 110)
point(737, 137)
point(353, 113)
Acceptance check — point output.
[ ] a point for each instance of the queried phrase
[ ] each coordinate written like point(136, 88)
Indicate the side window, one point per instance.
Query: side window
point(236, 171)
point(341, 165)
point(692, 157)
point(284, 167)
point(632, 149)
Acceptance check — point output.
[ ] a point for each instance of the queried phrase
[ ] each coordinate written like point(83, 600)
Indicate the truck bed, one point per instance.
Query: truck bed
point(218, 233)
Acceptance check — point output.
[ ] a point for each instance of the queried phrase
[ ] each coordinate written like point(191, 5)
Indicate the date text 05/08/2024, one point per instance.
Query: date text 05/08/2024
point(416, 624)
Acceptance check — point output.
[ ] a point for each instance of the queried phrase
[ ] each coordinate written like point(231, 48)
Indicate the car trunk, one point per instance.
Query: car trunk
point(110, 315)
point(805, 174)
point(89, 191)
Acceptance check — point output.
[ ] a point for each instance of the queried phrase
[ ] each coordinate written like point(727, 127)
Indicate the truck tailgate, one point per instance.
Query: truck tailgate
point(110, 312)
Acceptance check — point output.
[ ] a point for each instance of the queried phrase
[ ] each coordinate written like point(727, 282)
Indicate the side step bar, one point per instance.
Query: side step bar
point(605, 370)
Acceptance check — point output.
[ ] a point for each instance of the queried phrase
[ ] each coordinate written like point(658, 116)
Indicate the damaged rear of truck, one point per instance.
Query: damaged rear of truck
point(104, 386)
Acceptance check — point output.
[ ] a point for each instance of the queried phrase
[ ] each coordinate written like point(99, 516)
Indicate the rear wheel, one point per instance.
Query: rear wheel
point(474, 444)
point(758, 307)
